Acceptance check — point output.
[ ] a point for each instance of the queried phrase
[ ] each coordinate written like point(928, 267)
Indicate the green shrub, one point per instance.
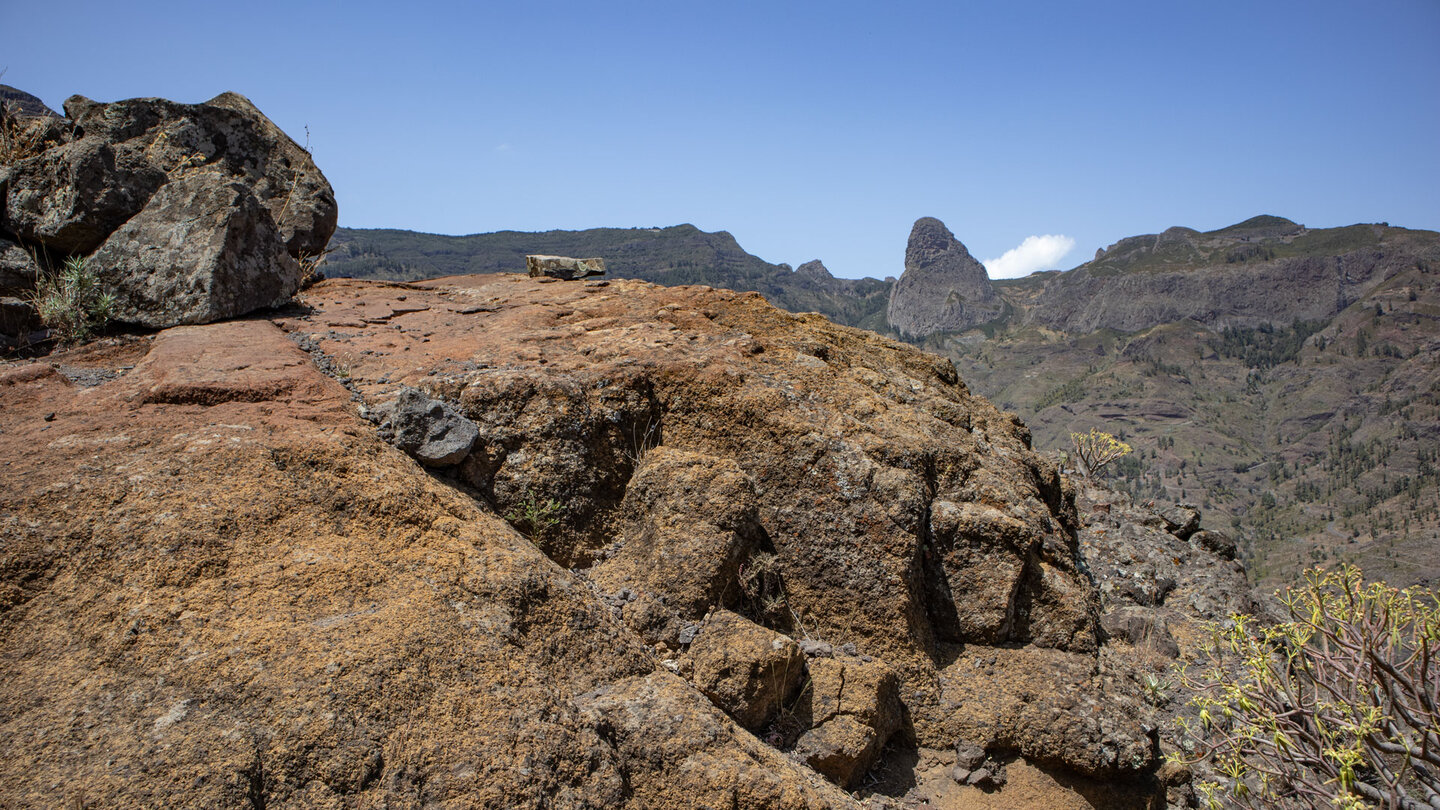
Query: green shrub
point(1097, 449)
point(1338, 706)
point(71, 302)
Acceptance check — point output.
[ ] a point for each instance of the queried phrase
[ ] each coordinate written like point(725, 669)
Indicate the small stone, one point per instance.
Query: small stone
point(436, 434)
point(979, 777)
point(959, 774)
point(968, 755)
point(816, 649)
point(564, 268)
point(688, 633)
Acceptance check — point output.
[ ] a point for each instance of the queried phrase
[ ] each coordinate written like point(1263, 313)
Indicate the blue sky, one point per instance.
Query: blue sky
point(808, 130)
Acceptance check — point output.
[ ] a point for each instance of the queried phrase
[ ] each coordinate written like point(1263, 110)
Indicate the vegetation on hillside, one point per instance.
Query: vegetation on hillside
point(1337, 706)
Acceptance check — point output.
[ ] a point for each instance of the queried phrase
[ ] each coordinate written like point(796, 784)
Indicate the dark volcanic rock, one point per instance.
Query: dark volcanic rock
point(226, 134)
point(434, 433)
point(204, 249)
point(17, 320)
point(18, 270)
point(72, 197)
point(943, 288)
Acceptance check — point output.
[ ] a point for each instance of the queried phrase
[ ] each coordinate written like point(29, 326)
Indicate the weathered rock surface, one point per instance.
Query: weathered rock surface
point(220, 538)
point(71, 197)
point(226, 134)
point(203, 249)
point(851, 706)
point(219, 587)
point(891, 499)
point(747, 670)
point(943, 288)
point(563, 267)
point(18, 270)
point(17, 320)
point(688, 523)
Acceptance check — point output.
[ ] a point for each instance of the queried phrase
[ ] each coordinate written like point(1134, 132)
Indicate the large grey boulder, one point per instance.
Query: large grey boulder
point(226, 134)
point(70, 198)
point(203, 250)
point(943, 288)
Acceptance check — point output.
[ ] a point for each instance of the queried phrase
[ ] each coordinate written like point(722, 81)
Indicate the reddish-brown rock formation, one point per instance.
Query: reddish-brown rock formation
point(220, 586)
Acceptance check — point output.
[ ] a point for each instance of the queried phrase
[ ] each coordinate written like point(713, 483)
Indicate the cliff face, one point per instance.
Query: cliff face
point(659, 489)
point(943, 288)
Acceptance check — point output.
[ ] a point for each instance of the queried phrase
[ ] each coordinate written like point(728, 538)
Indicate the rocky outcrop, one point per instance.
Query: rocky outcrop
point(202, 250)
point(713, 453)
point(248, 599)
point(225, 134)
point(943, 288)
point(194, 212)
point(202, 522)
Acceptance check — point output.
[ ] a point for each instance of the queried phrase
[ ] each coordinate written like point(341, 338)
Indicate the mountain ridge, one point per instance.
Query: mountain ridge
point(1255, 346)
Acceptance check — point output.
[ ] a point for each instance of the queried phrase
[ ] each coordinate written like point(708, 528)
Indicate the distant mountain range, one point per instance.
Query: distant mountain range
point(1285, 376)
point(682, 254)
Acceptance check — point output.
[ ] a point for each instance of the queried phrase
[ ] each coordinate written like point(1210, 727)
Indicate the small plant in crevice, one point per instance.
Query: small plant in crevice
point(535, 516)
point(1157, 689)
point(310, 264)
point(642, 442)
point(71, 302)
point(762, 592)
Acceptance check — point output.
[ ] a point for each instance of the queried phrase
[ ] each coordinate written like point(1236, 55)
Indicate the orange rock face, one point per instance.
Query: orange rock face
point(219, 586)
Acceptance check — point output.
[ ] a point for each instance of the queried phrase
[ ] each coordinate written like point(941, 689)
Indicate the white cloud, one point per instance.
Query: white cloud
point(1035, 253)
